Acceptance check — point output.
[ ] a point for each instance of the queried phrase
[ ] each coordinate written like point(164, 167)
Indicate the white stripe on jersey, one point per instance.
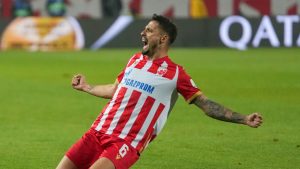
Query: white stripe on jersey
point(119, 113)
point(137, 61)
point(147, 65)
point(146, 124)
point(109, 107)
point(161, 120)
point(133, 116)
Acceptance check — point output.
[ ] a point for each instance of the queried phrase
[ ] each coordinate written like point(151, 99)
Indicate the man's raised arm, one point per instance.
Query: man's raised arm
point(217, 111)
point(104, 91)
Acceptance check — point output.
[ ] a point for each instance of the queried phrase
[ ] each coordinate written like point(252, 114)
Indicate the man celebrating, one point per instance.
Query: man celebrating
point(140, 101)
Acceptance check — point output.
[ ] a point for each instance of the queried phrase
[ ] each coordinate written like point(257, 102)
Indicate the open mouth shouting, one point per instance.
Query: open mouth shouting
point(145, 45)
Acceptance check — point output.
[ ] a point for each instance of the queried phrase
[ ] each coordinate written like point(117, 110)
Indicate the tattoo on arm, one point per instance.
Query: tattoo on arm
point(218, 111)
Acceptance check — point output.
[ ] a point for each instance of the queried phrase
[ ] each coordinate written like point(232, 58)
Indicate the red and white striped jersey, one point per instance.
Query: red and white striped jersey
point(146, 93)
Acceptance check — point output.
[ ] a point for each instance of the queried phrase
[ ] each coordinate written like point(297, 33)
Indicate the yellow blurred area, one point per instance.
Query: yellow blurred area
point(198, 9)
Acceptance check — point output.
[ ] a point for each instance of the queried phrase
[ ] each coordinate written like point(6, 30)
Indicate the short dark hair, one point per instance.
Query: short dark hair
point(167, 26)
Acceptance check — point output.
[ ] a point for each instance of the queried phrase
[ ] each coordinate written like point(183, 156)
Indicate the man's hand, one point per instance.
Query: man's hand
point(79, 83)
point(253, 120)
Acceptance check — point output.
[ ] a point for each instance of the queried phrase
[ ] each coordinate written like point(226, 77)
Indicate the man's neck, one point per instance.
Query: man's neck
point(157, 55)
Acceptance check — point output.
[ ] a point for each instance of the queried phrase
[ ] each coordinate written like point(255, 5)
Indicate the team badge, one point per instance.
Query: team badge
point(162, 70)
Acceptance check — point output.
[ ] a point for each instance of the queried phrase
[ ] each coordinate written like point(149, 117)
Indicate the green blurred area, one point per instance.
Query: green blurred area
point(41, 116)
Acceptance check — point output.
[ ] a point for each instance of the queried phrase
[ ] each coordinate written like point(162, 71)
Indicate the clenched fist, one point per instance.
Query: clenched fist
point(79, 83)
point(254, 120)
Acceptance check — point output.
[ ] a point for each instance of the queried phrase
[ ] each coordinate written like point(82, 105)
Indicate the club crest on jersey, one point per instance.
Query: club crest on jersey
point(162, 70)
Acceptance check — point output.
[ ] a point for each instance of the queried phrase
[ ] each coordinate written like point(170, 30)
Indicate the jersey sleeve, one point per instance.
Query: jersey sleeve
point(186, 86)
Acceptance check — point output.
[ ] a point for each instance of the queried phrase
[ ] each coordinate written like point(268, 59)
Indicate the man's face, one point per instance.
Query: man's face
point(151, 38)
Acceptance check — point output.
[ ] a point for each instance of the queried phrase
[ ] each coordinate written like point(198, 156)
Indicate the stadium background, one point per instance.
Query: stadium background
point(41, 116)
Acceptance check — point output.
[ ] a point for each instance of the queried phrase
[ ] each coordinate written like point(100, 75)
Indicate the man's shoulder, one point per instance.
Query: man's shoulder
point(136, 56)
point(171, 62)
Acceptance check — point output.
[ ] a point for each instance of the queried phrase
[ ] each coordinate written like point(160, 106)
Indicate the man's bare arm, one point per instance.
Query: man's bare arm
point(217, 111)
point(104, 91)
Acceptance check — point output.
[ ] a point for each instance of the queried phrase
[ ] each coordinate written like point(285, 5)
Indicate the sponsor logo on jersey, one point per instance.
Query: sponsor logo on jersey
point(139, 85)
point(127, 73)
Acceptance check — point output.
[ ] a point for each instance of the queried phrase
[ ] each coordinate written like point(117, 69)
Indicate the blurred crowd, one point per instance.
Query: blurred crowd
point(22, 8)
point(107, 8)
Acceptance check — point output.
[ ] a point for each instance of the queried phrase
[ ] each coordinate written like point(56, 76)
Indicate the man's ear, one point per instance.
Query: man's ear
point(164, 38)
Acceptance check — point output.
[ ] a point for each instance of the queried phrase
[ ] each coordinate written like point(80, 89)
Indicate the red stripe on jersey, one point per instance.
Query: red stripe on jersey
point(141, 148)
point(140, 119)
point(132, 60)
point(141, 64)
point(153, 68)
point(99, 117)
point(114, 109)
point(150, 129)
point(127, 112)
point(170, 73)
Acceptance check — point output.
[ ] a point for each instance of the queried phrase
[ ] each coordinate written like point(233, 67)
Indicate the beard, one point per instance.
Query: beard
point(150, 50)
point(145, 52)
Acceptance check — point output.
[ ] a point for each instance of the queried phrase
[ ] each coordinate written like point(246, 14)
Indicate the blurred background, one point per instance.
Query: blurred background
point(241, 53)
point(116, 23)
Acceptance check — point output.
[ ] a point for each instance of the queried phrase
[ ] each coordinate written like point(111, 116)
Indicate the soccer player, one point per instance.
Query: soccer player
point(140, 100)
